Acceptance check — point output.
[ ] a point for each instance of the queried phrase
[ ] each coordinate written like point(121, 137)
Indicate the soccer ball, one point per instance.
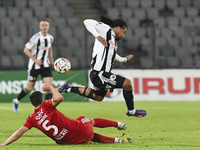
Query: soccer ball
point(62, 65)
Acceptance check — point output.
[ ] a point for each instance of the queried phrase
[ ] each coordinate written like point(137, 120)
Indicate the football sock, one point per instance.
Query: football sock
point(48, 95)
point(102, 139)
point(128, 96)
point(132, 112)
point(69, 90)
point(23, 93)
point(76, 90)
point(117, 140)
point(102, 123)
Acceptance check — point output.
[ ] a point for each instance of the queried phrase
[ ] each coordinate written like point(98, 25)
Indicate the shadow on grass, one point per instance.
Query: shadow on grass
point(36, 145)
point(34, 136)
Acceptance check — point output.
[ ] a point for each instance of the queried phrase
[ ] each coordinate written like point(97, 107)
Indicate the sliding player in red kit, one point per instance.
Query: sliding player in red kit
point(60, 128)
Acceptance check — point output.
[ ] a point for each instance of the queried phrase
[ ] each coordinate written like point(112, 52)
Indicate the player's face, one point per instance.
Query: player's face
point(120, 33)
point(44, 26)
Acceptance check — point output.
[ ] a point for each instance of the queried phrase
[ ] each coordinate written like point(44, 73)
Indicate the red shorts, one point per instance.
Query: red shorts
point(85, 131)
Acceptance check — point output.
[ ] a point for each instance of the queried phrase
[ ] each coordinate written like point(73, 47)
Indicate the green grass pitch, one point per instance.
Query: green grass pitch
point(167, 126)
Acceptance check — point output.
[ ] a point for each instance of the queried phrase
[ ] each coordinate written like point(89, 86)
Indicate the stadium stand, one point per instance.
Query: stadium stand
point(152, 24)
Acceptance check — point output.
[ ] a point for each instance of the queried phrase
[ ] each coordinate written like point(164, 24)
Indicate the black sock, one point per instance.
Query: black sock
point(128, 96)
point(48, 95)
point(76, 90)
point(23, 93)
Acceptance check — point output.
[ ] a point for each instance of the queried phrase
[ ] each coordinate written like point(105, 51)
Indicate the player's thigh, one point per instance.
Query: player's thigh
point(33, 74)
point(46, 75)
point(48, 80)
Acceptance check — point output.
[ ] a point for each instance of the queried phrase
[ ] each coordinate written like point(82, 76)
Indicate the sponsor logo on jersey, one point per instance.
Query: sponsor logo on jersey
point(30, 41)
point(44, 48)
point(113, 44)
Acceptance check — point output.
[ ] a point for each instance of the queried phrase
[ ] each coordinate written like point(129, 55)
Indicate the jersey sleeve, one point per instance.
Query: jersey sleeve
point(96, 28)
point(120, 59)
point(102, 28)
point(28, 123)
point(52, 39)
point(32, 42)
point(90, 26)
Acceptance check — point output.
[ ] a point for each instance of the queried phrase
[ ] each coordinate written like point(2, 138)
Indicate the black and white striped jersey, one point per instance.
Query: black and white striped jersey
point(103, 57)
point(39, 46)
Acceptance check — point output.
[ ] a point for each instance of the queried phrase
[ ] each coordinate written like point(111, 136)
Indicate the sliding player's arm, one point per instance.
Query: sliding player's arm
point(15, 136)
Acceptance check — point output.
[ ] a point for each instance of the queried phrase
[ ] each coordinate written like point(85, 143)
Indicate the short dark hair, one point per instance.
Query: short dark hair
point(36, 98)
point(45, 19)
point(114, 23)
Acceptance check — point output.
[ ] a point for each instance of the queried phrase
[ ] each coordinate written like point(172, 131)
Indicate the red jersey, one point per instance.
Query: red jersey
point(60, 128)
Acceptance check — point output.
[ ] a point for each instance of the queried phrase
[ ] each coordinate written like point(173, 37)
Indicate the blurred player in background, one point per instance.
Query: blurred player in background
point(39, 51)
point(106, 33)
point(60, 128)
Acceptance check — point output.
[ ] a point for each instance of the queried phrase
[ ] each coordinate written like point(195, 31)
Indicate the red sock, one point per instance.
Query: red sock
point(102, 123)
point(102, 139)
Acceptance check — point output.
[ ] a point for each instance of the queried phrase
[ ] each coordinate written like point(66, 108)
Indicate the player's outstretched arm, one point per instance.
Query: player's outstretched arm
point(57, 97)
point(123, 59)
point(15, 136)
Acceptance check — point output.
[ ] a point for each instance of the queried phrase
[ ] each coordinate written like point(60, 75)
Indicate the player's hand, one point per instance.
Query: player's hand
point(45, 87)
point(38, 62)
point(129, 57)
point(1, 144)
point(102, 40)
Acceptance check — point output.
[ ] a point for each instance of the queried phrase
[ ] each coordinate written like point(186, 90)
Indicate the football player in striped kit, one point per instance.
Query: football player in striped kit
point(39, 51)
point(106, 33)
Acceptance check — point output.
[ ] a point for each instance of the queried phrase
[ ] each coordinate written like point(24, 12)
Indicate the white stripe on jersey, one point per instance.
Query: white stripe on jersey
point(103, 58)
point(39, 47)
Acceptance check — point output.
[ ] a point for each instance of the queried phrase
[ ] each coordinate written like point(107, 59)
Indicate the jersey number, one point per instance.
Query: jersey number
point(47, 128)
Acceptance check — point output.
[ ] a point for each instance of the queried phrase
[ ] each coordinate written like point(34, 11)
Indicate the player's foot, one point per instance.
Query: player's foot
point(122, 126)
point(138, 113)
point(124, 140)
point(64, 87)
point(15, 105)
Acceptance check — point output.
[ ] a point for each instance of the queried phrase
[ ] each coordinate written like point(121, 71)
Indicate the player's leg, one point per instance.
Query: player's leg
point(48, 80)
point(102, 123)
point(87, 92)
point(32, 77)
point(129, 98)
point(22, 94)
point(47, 77)
point(104, 139)
point(26, 90)
point(128, 93)
point(83, 91)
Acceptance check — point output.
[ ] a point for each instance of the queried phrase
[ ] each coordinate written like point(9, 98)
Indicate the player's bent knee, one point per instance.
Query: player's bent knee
point(127, 85)
point(29, 89)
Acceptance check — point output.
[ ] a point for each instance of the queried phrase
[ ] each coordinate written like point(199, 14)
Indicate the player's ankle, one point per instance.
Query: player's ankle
point(132, 112)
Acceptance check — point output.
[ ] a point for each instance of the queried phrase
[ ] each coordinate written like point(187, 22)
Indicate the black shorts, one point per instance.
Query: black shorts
point(105, 81)
point(44, 72)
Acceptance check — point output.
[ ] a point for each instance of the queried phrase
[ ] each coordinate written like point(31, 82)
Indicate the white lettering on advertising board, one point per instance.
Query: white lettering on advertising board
point(159, 85)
